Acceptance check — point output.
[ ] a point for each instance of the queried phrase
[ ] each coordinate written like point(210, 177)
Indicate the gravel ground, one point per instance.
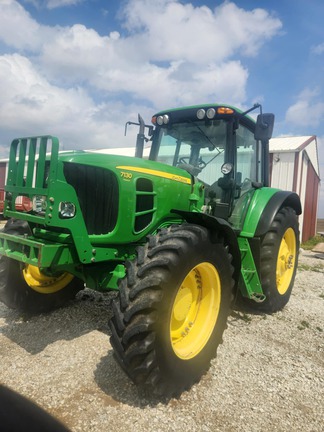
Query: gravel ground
point(268, 375)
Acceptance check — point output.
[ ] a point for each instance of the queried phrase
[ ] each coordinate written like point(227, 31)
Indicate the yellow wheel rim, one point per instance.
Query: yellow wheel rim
point(195, 311)
point(286, 261)
point(44, 284)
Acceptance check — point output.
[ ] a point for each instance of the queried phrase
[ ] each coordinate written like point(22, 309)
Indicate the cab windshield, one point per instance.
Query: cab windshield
point(199, 147)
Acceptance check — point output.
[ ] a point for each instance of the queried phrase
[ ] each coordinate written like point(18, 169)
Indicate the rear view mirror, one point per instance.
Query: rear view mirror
point(264, 127)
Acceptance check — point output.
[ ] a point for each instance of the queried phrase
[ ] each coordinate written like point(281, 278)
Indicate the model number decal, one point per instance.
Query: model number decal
point(153, 172)
point(126, 175)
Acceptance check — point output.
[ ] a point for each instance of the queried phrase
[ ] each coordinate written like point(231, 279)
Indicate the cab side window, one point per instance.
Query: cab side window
point(248, 154)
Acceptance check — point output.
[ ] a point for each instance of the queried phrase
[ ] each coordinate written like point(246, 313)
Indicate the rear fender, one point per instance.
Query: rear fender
point(259, 225)
point(217, 225)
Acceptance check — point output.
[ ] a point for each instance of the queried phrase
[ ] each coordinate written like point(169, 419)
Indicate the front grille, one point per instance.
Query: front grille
point(97, 191)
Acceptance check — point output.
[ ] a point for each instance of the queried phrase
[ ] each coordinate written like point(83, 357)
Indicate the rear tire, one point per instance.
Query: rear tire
point(279, 260)
point(25, 288)
point(172, 309)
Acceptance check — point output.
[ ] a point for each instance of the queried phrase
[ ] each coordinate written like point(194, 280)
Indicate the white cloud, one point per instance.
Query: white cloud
point(169, 30)
point(162, 66)
point(168, 54)
point(30, 104)
point(307, 111)
point(163, 31)
point(52, 4)
point(76, 54)
point(318, 49)
point(17, 28)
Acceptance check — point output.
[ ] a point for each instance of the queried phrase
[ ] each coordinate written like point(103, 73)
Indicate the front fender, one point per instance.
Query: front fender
point(264, 206)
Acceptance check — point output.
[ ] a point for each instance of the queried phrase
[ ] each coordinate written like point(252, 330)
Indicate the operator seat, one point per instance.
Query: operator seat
point(214, 191)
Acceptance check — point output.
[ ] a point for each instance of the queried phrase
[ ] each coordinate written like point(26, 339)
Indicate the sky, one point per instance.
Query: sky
point(80, 69)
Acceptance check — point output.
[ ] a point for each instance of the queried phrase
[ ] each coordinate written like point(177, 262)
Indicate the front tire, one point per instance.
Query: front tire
point(25, 288)
point(172, 309)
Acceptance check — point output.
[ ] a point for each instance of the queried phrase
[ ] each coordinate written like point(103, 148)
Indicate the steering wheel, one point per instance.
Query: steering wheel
point(201, 163)
point(185, 160)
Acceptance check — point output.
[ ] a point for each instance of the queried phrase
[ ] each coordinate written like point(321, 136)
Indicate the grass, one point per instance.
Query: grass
point(319, 268)
point(242, 315)
point(303, 325)
point(312, 242)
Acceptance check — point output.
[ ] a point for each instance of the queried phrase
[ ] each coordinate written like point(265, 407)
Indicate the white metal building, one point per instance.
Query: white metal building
point(294, 166)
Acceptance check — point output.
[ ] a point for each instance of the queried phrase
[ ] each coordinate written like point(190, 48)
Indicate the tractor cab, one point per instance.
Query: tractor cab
point(220, 146)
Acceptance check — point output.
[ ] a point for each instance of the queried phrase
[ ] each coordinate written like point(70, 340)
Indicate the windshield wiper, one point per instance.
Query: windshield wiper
point(203, 134)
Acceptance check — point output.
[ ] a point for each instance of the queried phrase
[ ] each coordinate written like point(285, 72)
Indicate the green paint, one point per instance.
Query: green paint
point(118, 202)
point(252, 286)
point(148, 192)
point(255, 207)
point(118, 273)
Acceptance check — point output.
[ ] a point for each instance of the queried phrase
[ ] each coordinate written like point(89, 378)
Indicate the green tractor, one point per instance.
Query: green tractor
point(179, 235)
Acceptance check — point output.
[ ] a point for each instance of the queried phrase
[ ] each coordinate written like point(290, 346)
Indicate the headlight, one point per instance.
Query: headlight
point(211, 113)
point(159, 120)
point(201, 114)
point(166, 119)
point(39, 203)
point(66, 210)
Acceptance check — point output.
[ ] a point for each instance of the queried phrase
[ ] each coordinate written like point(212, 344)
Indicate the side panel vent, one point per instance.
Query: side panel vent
point(145, 208)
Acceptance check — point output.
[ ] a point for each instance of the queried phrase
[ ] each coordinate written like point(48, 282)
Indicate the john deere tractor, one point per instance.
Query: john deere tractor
point(179, 234)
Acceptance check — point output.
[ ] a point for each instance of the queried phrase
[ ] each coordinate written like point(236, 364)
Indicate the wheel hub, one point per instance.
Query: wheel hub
point(195, 311)
point(290, 262)
point(184, 302)
point(286, 261)
point(43, 283)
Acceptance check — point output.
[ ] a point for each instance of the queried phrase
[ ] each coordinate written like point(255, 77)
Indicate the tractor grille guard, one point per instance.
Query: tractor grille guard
point(28, 174)
point(34, 171)
point(29, 171)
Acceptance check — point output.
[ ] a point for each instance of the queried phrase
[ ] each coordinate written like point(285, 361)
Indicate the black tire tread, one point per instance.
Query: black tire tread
point(135, 318)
